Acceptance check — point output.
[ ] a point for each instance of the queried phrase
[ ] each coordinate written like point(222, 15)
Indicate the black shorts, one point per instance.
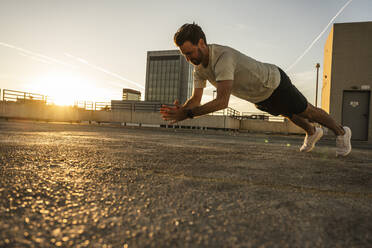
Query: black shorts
point(286, 99)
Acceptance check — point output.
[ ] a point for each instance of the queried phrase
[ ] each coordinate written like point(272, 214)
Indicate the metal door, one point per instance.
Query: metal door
point(355, 113)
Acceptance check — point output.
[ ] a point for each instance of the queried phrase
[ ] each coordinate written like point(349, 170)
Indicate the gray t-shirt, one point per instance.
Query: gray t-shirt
point(254, 81)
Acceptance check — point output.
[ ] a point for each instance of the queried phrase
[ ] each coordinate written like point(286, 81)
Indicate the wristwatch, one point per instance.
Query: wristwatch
point(189, 113)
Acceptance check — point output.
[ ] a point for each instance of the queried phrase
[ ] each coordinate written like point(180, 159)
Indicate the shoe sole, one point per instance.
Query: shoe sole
point(349, 138)
point(316, 140)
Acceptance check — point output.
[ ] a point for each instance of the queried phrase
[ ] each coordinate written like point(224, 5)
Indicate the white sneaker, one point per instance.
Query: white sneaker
point(343, 144)
point(310, 141)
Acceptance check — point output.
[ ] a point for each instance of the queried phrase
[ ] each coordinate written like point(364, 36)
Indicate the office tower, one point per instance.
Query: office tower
point(168, 77)
point(133, 95)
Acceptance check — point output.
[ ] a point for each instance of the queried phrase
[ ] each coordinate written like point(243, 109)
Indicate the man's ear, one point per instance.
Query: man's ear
point(201, 43)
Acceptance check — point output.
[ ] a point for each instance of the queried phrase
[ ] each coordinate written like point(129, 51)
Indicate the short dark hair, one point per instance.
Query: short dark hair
point(189, 32)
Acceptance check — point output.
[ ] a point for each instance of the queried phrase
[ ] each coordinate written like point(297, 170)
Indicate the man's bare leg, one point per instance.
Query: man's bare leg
point(343, 134)
point(303, 123)
point(313, 134)
point(320, 116)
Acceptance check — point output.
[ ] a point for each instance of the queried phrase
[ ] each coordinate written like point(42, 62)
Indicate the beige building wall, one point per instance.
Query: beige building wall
point(347, 66)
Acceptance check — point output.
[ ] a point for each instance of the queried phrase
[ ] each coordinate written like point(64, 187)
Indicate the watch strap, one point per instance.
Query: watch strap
point(189, 113)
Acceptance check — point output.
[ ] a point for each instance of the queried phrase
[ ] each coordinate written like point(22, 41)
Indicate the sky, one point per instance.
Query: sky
point(91, 50)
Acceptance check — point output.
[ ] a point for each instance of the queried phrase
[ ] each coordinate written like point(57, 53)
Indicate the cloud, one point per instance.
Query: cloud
point(34, 55)
point(317, 38)
point(38, 59)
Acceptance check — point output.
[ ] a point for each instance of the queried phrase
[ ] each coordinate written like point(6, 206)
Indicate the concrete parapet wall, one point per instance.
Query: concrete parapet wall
point(38, 111)
point(269, 126)
point(210, 121)
point(154, 118)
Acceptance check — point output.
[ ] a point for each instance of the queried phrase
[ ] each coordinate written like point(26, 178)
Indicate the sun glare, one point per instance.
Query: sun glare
point(64, 89)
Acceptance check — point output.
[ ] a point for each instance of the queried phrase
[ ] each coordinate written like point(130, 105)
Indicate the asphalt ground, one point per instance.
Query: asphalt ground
point(64, 185)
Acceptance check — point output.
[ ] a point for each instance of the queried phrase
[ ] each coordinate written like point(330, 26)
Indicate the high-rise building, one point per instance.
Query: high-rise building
point(347, 77)
point(131, 95)
point(168, 77)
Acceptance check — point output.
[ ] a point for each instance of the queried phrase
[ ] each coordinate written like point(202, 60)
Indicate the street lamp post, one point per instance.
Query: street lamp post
point(214, 92)
point(317, 79)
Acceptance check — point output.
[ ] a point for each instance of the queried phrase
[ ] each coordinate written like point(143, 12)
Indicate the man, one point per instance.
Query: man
point(265, 85)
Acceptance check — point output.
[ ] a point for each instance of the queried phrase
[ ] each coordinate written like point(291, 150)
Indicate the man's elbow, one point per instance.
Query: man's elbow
point(222, 104)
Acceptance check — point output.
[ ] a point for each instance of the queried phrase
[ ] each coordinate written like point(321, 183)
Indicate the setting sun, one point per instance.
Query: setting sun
point(66, 88)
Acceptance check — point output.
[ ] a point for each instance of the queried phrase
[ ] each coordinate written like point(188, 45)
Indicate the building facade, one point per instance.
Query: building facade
point(131, 95)
point(168, 77)
point(347, 77)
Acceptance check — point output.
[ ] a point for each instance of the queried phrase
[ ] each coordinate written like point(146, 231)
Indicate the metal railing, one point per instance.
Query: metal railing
point(136, 106)
point(228, 112)
point(27, 97)
point(87, 105)
point(261, 116)
point(102, 106)
point(21, 96)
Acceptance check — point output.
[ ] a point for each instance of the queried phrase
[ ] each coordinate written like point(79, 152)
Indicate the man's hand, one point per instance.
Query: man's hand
point(173, 114)
point(179, 113)
point(177, 104)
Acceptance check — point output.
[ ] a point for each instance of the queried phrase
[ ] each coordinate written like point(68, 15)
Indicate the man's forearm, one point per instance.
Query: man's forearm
point(209, 107)
point(191, 103)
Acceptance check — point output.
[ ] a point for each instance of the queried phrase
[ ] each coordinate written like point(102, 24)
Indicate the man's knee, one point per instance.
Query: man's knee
point(309, 112)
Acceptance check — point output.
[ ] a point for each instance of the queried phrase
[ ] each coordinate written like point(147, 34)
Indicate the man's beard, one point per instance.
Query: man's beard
point(195, 62)
point(198, 60)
